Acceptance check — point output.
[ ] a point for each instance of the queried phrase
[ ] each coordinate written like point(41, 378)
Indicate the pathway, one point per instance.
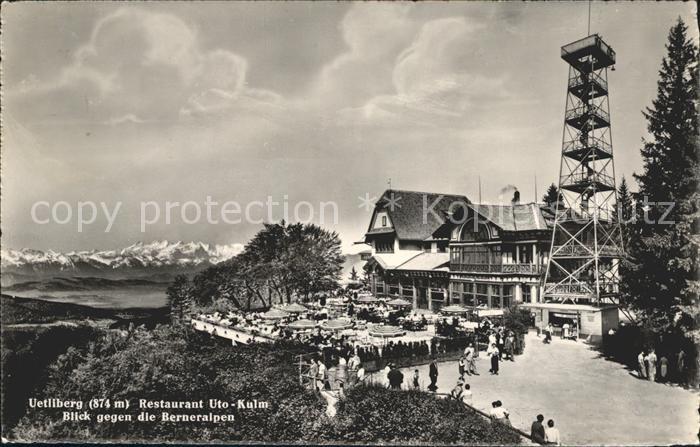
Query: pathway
point(592, 400)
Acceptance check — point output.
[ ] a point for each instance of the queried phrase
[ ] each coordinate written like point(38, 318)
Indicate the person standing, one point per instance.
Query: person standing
point(313, 374)
point(641, 364)
point(680, 366)
point(537, 430)
point(493, 353)
point(508, 347)
point(663, 368)
point(501, 341)
point(471, 359)
point(341, 371)
point(651, 366)
point(551, 434)
point(395, 378)
point(460, 368)
point(433, 374)
point(322, 373)
point(416, 380)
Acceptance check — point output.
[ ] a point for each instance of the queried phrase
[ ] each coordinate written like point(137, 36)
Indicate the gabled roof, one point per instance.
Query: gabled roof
point(408, 208)
point(411, 260)
point(389, 261)
point(426, 261)
point(519, 217)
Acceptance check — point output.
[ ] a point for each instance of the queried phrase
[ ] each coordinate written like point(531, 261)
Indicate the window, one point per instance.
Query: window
point(384, 221)
point(526, 293)
point(474, 231)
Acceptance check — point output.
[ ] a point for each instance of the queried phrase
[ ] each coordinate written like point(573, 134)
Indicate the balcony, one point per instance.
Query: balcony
point(588, 86)
point(587, 117)
point(574, 290)
point(520, 269)
point(590, 149)
point(588, 54)
point(578, 251)
point(581, 181)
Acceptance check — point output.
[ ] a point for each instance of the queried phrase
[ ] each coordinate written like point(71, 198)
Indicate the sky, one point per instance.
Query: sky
point(312, 106)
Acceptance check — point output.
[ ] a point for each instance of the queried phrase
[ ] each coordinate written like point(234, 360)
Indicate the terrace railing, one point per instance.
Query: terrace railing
point(524, 269)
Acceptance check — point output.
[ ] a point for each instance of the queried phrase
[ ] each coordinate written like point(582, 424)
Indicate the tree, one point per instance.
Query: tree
point(281, 262)
point(353, 274)
point(179, 298)
point(552, 196)
point(660, 276)
point(625, 210)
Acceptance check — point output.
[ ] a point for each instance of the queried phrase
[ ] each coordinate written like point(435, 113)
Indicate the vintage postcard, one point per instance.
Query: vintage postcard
point(360, 223)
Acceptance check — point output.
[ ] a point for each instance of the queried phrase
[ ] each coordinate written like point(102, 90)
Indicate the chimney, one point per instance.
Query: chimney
point(516, 197)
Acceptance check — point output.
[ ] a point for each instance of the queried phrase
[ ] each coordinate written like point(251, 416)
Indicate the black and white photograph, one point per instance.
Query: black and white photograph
point(350, 222)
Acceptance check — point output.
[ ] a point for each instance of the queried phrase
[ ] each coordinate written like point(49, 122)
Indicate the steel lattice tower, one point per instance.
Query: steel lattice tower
point(586, 239)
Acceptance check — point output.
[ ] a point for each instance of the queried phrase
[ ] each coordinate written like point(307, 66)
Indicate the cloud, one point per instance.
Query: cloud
point(433, 79)
point(141, 66)
point(124, 119)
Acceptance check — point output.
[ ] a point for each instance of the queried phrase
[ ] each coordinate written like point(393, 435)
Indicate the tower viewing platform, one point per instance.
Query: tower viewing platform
point(588, 54)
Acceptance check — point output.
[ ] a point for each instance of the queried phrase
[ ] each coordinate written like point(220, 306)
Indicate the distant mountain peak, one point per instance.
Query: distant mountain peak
point(140, 257)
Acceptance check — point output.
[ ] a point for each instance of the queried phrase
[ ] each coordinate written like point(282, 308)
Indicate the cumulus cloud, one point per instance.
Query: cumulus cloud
point(143, 66)
point(432, 78)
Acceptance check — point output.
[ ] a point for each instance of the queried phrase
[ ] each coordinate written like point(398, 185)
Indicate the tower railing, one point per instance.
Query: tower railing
point(584, 178)
point(584, 112)
point(590, 143)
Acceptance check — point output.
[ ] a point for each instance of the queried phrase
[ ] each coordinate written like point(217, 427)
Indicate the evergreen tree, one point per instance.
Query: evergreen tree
point(179, 298)
point(353, 274)
point(625, 210)
point(552, 196)
point(660, 275)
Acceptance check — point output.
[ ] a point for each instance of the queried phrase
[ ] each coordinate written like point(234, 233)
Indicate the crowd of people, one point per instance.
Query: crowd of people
point(659, 369)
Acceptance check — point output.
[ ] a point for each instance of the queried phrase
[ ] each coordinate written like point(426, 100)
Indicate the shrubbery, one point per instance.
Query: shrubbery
point(375, 414)
point(177, 363)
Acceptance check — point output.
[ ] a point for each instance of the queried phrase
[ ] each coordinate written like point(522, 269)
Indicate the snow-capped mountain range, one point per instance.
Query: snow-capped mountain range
point(139, 259)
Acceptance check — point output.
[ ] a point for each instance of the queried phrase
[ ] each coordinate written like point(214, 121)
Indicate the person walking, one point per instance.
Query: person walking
point(493, 353)
point(641, 364)
point(551, 434)
point(651, 366)
point(433, 374)
point(537, 430)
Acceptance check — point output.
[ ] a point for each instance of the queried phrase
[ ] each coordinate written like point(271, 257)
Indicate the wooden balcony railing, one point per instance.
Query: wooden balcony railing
point(525, 269)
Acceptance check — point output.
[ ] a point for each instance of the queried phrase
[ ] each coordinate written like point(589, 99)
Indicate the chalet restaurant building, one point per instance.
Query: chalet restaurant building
point(436, 250)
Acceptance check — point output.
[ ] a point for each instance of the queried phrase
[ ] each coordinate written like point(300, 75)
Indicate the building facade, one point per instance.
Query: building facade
point(440, 249)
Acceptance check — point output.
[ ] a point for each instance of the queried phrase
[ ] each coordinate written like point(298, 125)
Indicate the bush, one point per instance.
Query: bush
point(177, 363)
point(375, 414)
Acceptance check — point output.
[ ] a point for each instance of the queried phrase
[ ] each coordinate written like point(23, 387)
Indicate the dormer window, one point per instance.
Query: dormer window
point(384, 221)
